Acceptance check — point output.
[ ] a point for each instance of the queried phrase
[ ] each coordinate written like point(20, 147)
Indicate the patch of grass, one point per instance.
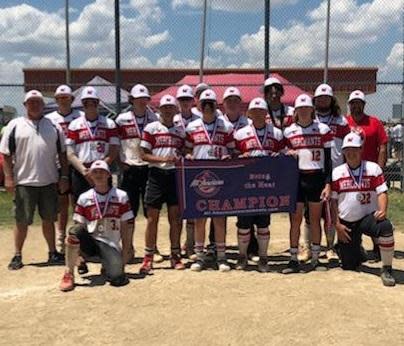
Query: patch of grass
point(396, 209)
point(6, 209)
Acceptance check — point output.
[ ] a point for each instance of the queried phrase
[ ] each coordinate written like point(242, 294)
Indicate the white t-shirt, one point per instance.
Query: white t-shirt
point(210, 141)
point(356, 200)
point(105, 228)
point(163, 141)
point(34, 146)
point(309, 142)
point(130, 132)
point(90, 140)
point(397, 132)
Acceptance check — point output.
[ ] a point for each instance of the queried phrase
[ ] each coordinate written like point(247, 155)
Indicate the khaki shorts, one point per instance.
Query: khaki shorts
point(27, 198)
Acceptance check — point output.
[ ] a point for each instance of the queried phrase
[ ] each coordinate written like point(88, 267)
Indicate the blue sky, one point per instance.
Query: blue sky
point(166, 33)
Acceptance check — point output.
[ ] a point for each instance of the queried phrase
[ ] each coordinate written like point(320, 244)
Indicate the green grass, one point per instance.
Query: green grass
point(396, 209)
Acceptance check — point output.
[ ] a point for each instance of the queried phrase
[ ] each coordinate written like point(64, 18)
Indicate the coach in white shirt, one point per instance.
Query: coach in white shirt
point(31, 146)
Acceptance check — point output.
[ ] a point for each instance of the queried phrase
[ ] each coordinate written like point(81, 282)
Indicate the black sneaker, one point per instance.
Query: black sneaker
point(82, 268)
point(293, 267)
point(316, 265)
point(387, 276)
point(16, 263)
point(56, 258)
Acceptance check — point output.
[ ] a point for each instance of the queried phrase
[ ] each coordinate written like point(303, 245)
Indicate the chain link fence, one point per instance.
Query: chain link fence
point(167, 34)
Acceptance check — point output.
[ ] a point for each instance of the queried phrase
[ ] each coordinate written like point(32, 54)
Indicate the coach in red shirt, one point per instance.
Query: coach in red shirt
point(370, 127)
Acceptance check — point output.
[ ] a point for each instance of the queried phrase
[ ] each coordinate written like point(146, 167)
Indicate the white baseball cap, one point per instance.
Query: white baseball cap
point(89, 92)
point(168, 100)
point(185, 91)
point(63, 90)
point(357, 95)
point(201, 87)
point(139, 90)
point(208, 95)
point(33, 94)
point(352, 140)
point(271, 81)
point(231, 91)
point(100, 164)
point(258, 103)
point(323, 90)
point(303, 100)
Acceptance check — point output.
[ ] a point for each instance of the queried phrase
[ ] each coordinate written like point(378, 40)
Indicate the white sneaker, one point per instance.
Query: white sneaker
point(197, 266)
point(158, 258)
point(223, 266)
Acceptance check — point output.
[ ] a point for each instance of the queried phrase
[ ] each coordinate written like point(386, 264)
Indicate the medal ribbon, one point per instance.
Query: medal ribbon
point(97, 205)
point(260, 144)
point(91, 132)
point(358, 183)
point(210, 138)
point(136, 124)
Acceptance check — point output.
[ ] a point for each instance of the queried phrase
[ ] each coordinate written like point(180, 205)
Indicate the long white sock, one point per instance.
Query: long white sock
point(243, 236)
point(386, 245)
point(263, 241)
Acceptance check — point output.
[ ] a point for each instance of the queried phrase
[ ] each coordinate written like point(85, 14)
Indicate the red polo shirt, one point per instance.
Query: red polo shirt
point(373, 131)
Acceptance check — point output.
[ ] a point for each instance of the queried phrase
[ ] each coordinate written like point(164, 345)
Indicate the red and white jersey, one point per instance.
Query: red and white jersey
point(309, 142)
point(90, 140)
point(210, 141)
point(130, 129)
point(183, 121)
point(259, 142)
point(64, 120)
point(115, 208)
point(239, 123)
point(163, 141)
point(340, 128)
point(287, 120)
point(357, 197)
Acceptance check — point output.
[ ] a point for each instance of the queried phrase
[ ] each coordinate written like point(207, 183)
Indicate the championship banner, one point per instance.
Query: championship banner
point(248, 186)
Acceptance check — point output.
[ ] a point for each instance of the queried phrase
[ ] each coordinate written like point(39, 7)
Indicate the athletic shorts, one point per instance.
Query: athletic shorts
point(350, 253)
point(110, 257)
point(28, 198)
point(161, 188)
point(79, 184)
point(310, 187)
point(134, 182)
point(261, 221)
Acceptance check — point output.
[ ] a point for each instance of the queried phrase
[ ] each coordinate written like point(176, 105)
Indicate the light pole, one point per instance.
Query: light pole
point(267, 37)
point(67, 38)
point(118, 76)
point(203, 39)
point(327, 42)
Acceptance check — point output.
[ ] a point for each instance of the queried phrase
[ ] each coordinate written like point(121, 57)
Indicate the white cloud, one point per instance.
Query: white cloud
point(392, 69)
point(231, 6)
point(353, 26)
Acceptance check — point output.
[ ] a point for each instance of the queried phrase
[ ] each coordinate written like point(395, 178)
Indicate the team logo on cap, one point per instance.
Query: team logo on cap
point(207, 184)
point(350, 139)
point(257, 103)
point(303, 99)
point(141, 90)
point(184, 90)
point(324, 89)
point(168, 99)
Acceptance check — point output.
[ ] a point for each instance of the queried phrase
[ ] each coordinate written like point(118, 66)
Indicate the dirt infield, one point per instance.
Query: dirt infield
point(179, 308)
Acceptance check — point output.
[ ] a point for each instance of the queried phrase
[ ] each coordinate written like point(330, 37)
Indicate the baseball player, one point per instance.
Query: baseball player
point(162, 145)
point(310, 141)
point(359, 204)
point(375, 137)
point(280, 114)
point(255, 140)
point(135, 170)
point(329, 113)
point(63, 116)
point(101, 222)
point(209, 138)
point(90, 138)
